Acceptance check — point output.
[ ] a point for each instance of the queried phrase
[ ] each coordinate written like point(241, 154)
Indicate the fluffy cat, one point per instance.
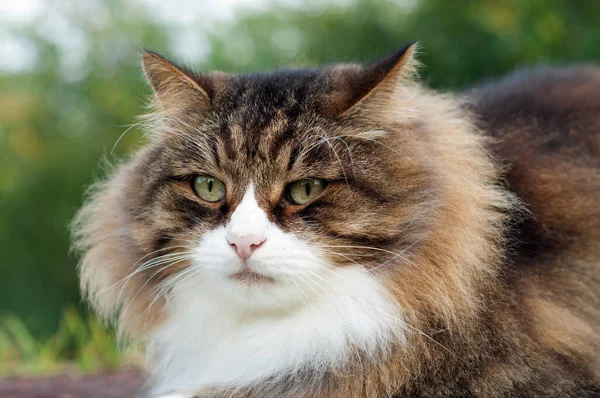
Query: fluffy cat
point(345, 232)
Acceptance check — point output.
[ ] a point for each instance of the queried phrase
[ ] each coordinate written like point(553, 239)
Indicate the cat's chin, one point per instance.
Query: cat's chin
point(250, 277)
point(241, 288)
point(250, 290)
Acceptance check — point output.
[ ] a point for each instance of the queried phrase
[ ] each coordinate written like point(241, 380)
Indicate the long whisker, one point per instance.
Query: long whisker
point(166, 287)
point(305, 298)
point(395, 255)
point(180, 276)
point(150, 264)
point(344, 256)
point(149, 279)
point(172, 257)
point(343, 323)
point(124, 133)
point(364, 247)
point(129, 276)
point(156, 251)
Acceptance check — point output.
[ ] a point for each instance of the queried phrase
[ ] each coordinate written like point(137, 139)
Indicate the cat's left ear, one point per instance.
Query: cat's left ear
point(362, 89)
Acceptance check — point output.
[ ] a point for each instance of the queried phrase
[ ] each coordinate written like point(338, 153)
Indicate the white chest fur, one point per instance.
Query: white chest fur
point(210, 340)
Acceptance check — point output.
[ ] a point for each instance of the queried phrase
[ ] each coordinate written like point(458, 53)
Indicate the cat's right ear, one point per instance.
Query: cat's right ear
point(176, 88)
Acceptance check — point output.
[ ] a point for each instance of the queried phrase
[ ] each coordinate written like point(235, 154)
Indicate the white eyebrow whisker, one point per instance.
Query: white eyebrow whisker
point(326, 139)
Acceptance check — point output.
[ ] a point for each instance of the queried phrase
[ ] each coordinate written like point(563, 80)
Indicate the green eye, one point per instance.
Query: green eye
point(303, 191)
point(208, 188)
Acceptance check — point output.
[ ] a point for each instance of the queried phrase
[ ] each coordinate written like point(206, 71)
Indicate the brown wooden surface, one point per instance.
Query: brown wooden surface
point(122, 384)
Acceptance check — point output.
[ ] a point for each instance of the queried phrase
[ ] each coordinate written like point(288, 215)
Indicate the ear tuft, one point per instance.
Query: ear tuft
point(398, 66)
point(355, 87)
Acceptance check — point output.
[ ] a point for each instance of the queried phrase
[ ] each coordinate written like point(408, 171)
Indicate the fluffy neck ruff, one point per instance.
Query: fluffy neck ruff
point(211, 341)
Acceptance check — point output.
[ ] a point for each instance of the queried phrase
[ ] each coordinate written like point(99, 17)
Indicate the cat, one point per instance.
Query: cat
point(346, 232)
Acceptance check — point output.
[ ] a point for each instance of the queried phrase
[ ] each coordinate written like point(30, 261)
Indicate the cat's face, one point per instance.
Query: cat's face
point(261, 194)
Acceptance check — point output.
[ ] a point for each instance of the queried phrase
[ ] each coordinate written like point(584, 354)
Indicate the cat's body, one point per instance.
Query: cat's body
point(454, 250)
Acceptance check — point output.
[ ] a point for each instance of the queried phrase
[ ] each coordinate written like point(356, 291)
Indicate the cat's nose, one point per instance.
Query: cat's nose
point(245, 245)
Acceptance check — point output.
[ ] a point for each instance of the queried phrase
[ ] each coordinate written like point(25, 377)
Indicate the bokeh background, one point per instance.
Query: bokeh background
point(71, 85)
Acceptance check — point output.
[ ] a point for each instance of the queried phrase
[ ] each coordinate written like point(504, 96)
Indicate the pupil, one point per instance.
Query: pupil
point(210, 185)
point(307, 188)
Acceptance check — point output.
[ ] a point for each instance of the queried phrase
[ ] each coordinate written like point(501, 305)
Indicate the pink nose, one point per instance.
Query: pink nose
point(245, 245)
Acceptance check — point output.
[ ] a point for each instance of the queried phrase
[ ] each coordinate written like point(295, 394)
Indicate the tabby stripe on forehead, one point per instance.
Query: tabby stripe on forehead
point(227, 135)
point(293, 157)
point(280, 141)
point(215, 152)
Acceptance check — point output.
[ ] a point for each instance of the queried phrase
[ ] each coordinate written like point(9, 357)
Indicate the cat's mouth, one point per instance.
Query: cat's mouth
point(248, 276)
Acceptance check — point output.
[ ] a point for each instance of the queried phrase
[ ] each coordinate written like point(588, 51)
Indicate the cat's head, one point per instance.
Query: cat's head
point(263, 188)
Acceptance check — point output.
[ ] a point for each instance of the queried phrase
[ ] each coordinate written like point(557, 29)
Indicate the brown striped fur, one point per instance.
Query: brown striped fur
point(483, 208)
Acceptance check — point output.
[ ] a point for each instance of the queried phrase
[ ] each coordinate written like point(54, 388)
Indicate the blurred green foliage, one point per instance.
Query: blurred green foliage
point(57, 123)
point(80, 345)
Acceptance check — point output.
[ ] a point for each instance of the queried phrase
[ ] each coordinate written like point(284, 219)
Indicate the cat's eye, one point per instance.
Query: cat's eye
point(303, 191)
point(208, 188)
